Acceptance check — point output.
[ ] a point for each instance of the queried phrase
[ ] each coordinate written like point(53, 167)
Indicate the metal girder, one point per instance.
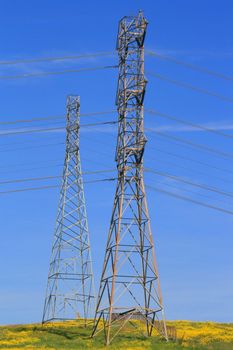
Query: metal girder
point(70, 289)
point(129, 286)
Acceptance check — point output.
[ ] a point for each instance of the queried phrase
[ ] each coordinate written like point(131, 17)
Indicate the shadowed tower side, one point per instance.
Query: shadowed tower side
point(70, 289)
point(129, 287)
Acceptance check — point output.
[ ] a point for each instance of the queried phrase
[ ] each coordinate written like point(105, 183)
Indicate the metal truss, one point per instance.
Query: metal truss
point(70, 289)
point(129, 286)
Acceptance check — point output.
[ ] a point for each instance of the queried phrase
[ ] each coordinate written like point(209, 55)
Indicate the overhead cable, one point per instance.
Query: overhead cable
point(191, 87)
point(194, 125)
point(57, 58)
point(191, 200)
point(192, 144)
point(191, 160)
point(189, 65)
point(41, 74)
point(17, 121)
point(52, 186)
point(52, 177)
point(31, 131)
point(188, 182)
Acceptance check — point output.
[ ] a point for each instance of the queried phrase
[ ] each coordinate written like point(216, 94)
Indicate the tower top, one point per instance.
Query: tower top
point(137, 18)
point(131, 29)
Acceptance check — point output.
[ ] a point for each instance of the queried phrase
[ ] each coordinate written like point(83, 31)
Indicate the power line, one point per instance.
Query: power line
point(191, 170)
point(108, 145)
point(183, 189)
point(113, 179)
point(191, 87)
point(31, 131)
point(150, 111)
point(19, 131)
point(105, 165)
point(97, 113)
point(151, 147)
point(32, 147)
point(57, 58)
point(29, 179)
point(28, 189)
point(28, 142)
point(106, 153)
point(53, 177)
point(108, 179)
point(188, 199)
point(53, 166)
point(99, 123)
point(91, 114)
point(52, 186)
point(31, 162)
point(110, 53)
point(34, 168)
point(192, 160)
point(182, 121)
point(176, 155)
point(30, 75)
point(193, 144)
point(98, 171)
point(188, 182)
point(162, 151)
point(54, 118)
point(173, 164)
point(165, 152)
point(57, 165)
point(189, 65)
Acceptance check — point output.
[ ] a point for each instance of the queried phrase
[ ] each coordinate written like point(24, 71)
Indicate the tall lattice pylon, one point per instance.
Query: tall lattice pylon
point(70, 290)
point(129, 287)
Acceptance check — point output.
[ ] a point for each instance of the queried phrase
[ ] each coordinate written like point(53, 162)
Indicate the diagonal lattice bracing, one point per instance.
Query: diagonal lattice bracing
point(70, 289)
point(129, 286)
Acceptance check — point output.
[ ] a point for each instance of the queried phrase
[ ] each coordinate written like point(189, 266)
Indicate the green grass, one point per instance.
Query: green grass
point(195, 336)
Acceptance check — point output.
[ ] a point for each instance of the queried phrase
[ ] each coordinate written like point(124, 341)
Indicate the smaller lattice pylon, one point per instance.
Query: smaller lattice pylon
point(70, 290)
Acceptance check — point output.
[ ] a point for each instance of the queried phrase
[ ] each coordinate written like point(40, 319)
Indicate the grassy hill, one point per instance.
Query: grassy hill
point(72, 335)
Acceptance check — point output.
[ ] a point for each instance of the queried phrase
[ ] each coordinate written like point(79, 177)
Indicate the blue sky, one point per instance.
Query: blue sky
point(193, 243)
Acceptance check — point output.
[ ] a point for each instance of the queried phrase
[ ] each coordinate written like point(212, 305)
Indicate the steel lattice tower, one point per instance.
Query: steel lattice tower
point(70, 289)
point(129, 286)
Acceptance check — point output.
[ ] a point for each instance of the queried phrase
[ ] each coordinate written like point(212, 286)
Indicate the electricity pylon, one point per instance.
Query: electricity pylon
point(70, 289)
point(129, 286)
